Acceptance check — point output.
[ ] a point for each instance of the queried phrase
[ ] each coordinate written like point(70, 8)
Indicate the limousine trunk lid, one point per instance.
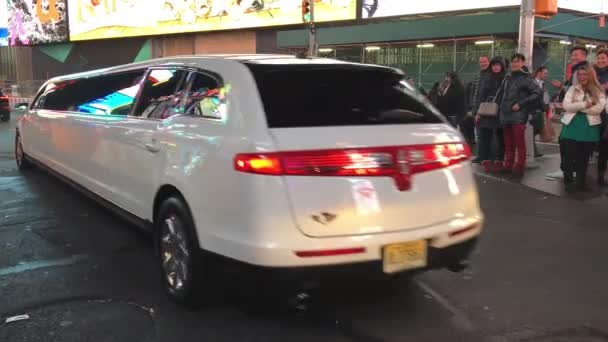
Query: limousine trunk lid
point(361, 152)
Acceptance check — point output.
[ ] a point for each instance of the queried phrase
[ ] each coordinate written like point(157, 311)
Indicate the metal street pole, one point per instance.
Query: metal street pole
point(526, 47)
point(312, 34)
point(526, 30)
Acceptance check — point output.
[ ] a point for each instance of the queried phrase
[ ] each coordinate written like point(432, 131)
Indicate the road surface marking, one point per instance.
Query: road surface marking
point(463, 320)
point(34, 265)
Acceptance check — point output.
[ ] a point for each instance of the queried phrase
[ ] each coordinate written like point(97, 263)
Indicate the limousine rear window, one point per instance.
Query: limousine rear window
point(312, 95)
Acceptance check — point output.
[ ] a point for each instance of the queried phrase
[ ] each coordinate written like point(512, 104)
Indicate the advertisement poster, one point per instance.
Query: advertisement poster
point(3, 23)
point(389, 8)
point(99, 19)
point(37, 22)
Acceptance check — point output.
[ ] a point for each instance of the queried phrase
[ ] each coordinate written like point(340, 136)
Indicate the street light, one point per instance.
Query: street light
point(427, 45)
point(565, 42)
point(372, 48)
point(484, 42)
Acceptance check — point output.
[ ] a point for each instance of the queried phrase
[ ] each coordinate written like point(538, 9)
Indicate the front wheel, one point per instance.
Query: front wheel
point(184, 267)
point(21, 158)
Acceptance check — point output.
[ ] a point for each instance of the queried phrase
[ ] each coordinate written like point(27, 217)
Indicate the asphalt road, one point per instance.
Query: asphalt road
point(82, 274)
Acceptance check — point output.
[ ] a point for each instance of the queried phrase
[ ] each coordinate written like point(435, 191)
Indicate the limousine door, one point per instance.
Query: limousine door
point(135, 171)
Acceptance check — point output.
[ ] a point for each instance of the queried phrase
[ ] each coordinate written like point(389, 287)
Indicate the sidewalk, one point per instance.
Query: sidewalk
point(536, 178)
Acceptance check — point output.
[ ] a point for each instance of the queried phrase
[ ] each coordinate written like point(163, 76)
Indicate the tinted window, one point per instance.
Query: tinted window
point(337, 95)
point(106, 95)
point(161, 95)
point(205, 97)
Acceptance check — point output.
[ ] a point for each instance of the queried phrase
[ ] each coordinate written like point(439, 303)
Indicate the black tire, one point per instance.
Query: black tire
point(22, 160)
point(185, 273)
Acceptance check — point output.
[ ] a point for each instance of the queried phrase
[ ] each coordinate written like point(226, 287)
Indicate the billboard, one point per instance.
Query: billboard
point(3, 23)
point(389, 8)
point(589, 6)
point(99, 19)
point(37, 22)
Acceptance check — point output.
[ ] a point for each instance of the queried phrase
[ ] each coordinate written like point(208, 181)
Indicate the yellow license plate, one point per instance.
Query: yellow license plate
point(404, 256)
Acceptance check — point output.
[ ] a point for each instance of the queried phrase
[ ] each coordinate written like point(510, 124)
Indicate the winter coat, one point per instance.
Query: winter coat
point(453, 102)
point(522, 89)
point(491, 89)
point(575, 102)
point(602, 74)
point(474, 98)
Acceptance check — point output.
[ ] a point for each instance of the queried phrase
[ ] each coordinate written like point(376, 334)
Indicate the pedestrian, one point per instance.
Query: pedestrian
point(520, 99)
point(491, 89)
point(450, 99)
point(578, 58)
point(473, 100)
point(601, 69)
point(583, 104)
point(538, 121)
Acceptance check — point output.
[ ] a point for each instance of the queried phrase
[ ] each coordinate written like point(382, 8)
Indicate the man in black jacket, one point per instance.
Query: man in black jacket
point(468, 126)
point(521, 98)
point(601, 68)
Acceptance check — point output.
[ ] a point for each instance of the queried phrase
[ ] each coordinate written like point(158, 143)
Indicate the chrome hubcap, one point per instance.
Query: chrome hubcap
point(19, 151)
point(174, 253)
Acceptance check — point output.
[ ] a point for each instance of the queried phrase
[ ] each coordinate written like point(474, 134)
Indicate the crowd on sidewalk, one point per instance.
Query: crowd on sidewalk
point(493, 113)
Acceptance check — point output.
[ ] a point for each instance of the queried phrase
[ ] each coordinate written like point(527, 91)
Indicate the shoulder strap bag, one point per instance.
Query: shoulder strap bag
point(490, 107)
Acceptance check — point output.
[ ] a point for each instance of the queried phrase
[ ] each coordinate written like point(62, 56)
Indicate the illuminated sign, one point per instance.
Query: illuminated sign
point(387, 8)
point(98, 19)
point(36, 21)
point(3, 23)
point(589, 6)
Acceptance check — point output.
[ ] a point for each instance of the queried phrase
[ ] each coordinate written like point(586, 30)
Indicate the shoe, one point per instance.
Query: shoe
point(518, 172)
point(498, 167)
point(583, 188)
point(570, 187)
point(487, 166)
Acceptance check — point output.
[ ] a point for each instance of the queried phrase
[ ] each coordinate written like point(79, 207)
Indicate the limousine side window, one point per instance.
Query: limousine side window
point(160, 97)
point(206, 97)
point(112, 94)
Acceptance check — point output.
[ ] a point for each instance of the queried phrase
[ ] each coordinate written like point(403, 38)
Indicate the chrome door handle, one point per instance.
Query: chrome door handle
point(153, 146)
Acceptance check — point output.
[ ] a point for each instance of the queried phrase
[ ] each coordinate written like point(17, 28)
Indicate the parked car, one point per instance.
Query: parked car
point(5, 110)
point(272, 163)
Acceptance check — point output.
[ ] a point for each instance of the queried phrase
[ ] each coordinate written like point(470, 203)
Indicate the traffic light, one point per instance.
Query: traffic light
point(306, 10)
point(546, 8)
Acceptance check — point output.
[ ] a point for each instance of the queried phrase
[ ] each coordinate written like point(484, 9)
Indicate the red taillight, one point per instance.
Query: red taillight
point(266, 164)
point(399, 162)
point(330, 252)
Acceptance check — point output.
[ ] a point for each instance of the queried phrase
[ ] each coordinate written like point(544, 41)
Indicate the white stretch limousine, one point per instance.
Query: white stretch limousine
point(308, 166)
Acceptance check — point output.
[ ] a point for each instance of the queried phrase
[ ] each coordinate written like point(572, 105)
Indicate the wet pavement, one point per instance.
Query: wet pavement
point(82, 274)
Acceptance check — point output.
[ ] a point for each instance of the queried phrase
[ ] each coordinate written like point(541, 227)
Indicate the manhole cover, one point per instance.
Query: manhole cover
point(584, 334)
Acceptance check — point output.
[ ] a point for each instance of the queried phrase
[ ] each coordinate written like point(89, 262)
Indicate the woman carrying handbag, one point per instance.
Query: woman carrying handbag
point(490, 94)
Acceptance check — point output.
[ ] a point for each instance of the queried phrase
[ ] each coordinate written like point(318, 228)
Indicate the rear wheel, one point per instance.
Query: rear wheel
point(184, 267)
point(21, 158)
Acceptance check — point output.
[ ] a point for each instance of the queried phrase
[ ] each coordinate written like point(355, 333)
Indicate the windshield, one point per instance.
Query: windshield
point(337, 95)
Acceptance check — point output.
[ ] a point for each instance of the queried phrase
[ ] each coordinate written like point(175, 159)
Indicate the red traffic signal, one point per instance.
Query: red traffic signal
point(306, 10)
